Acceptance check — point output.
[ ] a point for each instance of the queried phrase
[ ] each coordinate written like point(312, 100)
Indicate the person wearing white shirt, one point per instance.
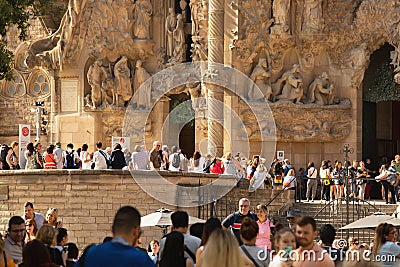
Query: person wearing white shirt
point(173, 162)
point(99, 158)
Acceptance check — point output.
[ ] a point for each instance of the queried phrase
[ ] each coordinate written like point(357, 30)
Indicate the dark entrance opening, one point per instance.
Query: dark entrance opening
point(380, 114)
point(185, 122)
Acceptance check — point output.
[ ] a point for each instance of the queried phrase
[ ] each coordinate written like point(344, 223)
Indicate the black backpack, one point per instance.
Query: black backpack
point(176, 161)
point(70, 159)
point(3, 152)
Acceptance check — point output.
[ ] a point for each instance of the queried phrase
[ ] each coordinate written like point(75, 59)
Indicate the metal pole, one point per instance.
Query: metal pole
point(37, 120)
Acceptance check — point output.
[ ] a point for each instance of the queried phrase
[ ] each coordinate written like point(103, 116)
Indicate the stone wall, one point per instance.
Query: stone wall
point(88, 200)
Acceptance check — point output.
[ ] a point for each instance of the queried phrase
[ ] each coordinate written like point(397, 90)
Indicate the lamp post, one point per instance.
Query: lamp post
point(39, 120)
point(347, 150)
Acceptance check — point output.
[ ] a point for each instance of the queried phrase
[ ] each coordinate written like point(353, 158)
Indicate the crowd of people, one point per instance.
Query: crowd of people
point(242, 239)
point(325, 182)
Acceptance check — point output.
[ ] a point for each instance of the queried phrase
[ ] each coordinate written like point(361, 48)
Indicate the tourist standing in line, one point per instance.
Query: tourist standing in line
point(84, 157)
point(59, 153)
point(306, 232)
point(100, 158)
point(385, 245)
point(155, 156)
point(120, 251)
point(14, 240)
point(312, 182)
point(29, 213)
point(234, 221)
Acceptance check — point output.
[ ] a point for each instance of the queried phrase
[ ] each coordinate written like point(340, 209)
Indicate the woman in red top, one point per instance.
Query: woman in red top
point(216, 167)
point(50, 160)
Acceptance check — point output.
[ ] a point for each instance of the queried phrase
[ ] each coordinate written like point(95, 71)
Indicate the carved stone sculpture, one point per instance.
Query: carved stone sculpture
point(123, 84)
point(183, 5)
point(142, 97)
point(291, 85)
point(260, 76)
point(95, 75)
point(321, 91)
point(280, 10)
point(312, 17)
point(194, 7)
point(197, 95)
point(142, 13)
point(170, 26)
point(179, 40)
point(359, 58)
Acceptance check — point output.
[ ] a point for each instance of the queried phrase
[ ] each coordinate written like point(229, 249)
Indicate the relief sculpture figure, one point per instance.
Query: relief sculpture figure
point(312, 18)
point(179, 38)
point(142, 97)
point(170, 26)
point(123, 84)
point(291, 85)
point(321, 91)
point(280, 10)
point(95, 75)
point(142, 14)
point(260, 76)
point(194, 9)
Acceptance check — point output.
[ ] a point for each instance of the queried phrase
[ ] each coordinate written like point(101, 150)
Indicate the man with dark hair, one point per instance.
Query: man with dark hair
point(327, 235)
point(62, 238)
point(180, 223)
point(309, 253)
point(31, 214)
point(72, 254)
point(14, 241)
point(100, 158)
point(120, 251)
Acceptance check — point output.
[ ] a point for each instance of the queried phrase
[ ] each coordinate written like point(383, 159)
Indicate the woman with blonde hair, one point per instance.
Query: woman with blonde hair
point(52, 218)
point(385, 246)
point(48, 236)
point(31, 230)
point(223, 250)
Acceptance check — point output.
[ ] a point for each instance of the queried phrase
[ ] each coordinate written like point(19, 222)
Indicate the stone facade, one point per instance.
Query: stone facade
point(307, 57)
point(87, 200)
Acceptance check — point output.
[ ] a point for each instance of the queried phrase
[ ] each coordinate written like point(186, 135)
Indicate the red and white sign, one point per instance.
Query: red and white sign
point(24, 137)
point(123, 141)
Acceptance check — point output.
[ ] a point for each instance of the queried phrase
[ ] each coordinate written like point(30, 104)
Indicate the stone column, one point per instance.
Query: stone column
point(215, 93)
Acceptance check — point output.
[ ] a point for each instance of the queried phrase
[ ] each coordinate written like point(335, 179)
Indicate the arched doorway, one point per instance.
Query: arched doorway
point(182, 123)
point(381, 108)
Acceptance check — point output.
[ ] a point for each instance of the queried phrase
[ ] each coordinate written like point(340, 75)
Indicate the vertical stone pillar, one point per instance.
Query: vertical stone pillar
point(215, 93)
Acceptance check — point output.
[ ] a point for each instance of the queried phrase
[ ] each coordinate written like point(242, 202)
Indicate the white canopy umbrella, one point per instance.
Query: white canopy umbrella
point(162, 218)
point(372, 221)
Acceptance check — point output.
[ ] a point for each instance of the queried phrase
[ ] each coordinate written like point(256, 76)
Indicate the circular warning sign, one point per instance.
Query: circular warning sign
point(25, 131)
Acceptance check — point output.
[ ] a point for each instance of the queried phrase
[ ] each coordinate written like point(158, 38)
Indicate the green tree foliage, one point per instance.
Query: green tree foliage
point(17, 12)
point(383, 87)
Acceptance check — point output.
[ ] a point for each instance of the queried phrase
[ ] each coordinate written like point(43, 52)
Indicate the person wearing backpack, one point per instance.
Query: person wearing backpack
point(70, 158)
point(234, 221)
point(176, 158)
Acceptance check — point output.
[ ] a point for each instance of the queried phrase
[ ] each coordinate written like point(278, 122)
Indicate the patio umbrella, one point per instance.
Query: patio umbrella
point(372, 221)
point(162, 218)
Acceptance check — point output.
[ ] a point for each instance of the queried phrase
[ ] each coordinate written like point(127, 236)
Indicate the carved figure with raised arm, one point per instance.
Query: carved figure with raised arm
point(260, 76)
point(321, 91)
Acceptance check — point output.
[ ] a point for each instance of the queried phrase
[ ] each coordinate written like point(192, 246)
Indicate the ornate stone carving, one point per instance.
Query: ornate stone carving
point(312, 123)
point(261, 78)
point(142, 13)
point(290, 86)
point(280, 9)
point(123, 84)
point(142, 97)
point(95, 75)
point(170, 26)
point(312, 16)
point(321, 91)
point(199, 15)
point(179, 41)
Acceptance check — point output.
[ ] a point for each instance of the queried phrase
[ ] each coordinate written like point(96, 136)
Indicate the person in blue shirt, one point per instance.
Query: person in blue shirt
point(120, 251)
